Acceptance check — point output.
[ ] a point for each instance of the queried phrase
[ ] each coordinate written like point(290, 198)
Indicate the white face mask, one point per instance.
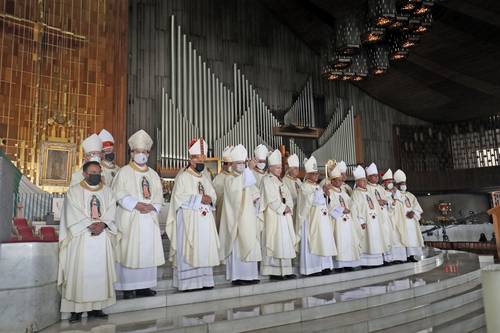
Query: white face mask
point(239, 168)
point(261, 165)
point(402, 188)
point(140, 158)
point(390, 186)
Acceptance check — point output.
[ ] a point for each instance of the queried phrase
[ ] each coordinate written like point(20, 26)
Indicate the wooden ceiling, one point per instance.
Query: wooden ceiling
point(452, 74)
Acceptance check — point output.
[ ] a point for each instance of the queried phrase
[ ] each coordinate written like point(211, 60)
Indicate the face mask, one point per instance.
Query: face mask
point(110, 157)
point(200, 167)
point(140, 158)
point(93, 179)
point(239, 168)
point(390, 186)
point(402, 188)
point(261, 165)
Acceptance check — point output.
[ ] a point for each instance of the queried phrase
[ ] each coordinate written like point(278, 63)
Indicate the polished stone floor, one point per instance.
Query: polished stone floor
point(185, 316)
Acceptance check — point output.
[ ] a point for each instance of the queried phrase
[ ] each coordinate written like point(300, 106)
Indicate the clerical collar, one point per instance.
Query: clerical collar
point(310, 182)
point(88, 187)
point(360, 189)
point(336, 189)
point(194, 172)
point(138, 168)
point(372, 184)
point(108, 165)
point(290, 177)
point(226, 172)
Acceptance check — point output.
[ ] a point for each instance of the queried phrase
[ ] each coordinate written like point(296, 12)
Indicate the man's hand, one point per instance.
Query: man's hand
point(363, 226)
point(206, 199)
point(252, 163)
point(410, 215)
point(96, 228)
point(144, 208)
point(346, 211)
point(287, 210)
point(382, 202)
point(327, 187)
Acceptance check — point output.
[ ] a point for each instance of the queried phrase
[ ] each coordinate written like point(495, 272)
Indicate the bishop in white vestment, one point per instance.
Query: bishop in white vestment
point(347, 231)
point(109, 167)
point(219, 181)
point(92, 149)
point(240, 227)
point(259, 163)
point(366, 213)
point(139, 194)
point(410, 216)
point(343, 170)
point(291, 179)
point(86, 236)
point(194, 242)
point(276, 209)
point(314, 224)
point(395, 251)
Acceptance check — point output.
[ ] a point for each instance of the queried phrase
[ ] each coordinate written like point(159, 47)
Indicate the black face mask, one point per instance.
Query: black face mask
point(199, 167)
point(93, 179)
point(110, 157)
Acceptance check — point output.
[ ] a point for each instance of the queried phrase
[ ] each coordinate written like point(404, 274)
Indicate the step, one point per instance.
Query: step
point(441, 293)
point(224, 290)
point(472, 322)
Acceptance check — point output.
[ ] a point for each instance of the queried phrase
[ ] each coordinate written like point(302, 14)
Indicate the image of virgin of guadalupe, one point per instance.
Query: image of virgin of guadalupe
point(146, 193)
point(95, 208)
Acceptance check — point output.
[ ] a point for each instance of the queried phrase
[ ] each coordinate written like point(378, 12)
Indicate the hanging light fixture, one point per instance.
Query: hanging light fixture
point(359, 68)
point(347, 33)
point(378, 59)
point(424, 8)
point(396, 50)
point(409, 40)
point(382, 12)
point(423, 23)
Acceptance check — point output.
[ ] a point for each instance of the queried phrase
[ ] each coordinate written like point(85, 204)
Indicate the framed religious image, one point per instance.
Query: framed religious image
point(56, 163)
point(213, 166)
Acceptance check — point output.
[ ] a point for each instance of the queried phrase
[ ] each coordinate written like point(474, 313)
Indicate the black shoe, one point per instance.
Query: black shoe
point(349, 269)
point(75, 317)
point(276, 277)
point(128, 294)
point(327, 271)
point(313, 274)
point(255, 281)
point(237, 282)
point(412, 259)
point(290, 277)
point(339, 270)
point(97, 314)
point(387, 263)
point(145, 292)
point(207, 288)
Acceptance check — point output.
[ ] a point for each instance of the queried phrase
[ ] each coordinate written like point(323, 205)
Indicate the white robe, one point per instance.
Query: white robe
point(259, 175)
point(86, 263)
point(346, 231)
point(278, 237)
point(364, 211)
point(240, 227)
point(140, 249)
point(218, 183)
point(194, 243)
point(109, 172)
point(314, 230)
point(412, 235)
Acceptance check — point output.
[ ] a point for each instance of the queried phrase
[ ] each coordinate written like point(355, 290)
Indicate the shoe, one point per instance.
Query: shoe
point(386, 263)
point(290, 277)
point(276, 277)
point(327, 271)
point(339, 270)
point(97, 314)
point(75, 317)
point(412, 259)
point(207, 288)
point(237, 283)
point(349, 269)
point(313, 274)
point(145, 292)
point(128, 294)
point(255, 281)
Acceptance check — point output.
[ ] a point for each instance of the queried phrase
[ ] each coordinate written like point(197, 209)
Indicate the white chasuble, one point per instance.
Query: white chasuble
point(314, 229)
point(347, 231)
point(194, 243)
point(218, 183)
point(240, 227)
point(140, 249)
point(410, 227)
point(86, 262)
point(365, 211)
point(278, 236)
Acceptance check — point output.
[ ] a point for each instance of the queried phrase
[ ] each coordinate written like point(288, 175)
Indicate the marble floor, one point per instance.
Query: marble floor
point(189, 317)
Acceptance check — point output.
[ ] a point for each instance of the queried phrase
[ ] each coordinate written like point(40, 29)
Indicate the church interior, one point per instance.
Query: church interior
point(187, 165)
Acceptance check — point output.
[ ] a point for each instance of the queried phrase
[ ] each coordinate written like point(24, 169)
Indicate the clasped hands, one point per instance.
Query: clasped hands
point(96, 228)
point(144, 208)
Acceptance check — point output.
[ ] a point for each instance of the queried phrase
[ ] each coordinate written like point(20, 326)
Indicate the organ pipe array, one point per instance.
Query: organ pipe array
point(199, 104)
point(302, 111)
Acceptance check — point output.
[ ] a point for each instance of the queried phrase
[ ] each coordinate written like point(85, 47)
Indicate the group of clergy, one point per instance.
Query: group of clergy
point(249, 217)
